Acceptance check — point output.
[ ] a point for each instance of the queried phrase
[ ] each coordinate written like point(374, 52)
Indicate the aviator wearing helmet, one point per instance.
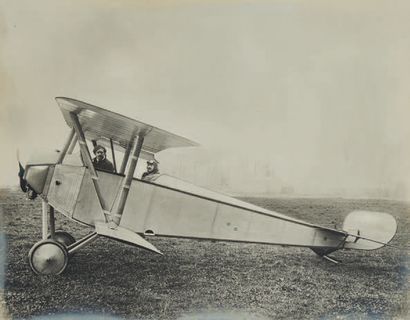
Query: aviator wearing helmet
point(100, 160)
point(152, 170)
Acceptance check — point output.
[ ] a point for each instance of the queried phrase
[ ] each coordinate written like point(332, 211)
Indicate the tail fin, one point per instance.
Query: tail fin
point(369, 230)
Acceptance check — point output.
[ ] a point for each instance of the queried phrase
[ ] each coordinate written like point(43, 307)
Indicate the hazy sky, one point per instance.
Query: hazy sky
point(316, 93)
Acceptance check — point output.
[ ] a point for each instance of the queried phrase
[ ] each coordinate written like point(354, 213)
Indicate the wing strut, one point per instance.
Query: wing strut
point(113, 156)
point(125, 159)
point(72, 145)
point(89, 163)
point(66, 146)
point(136, 150)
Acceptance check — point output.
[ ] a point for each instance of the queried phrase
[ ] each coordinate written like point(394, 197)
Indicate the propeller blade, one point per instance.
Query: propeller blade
point(21, 170)
point(24, 186)
point(23, 182)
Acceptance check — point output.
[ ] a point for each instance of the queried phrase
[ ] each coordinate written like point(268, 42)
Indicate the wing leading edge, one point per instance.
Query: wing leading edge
point(98, 123)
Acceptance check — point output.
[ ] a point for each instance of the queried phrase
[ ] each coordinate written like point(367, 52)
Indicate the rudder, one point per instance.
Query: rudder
point(365, 226)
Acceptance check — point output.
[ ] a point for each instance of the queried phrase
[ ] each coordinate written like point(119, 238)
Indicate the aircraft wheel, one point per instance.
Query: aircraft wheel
point(48, 257)
point(63, 237)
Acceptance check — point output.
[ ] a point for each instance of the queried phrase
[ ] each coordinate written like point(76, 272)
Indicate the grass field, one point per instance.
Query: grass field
point(210, 280)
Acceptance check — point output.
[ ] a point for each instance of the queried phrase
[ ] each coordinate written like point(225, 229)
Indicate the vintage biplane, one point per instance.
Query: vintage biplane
point(121, 207)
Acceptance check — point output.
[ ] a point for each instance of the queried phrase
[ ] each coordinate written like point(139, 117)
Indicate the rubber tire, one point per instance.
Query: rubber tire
point(48, 257)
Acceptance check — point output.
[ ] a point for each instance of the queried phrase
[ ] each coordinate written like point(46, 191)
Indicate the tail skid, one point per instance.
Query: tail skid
point(333, 260)
point(324, 253)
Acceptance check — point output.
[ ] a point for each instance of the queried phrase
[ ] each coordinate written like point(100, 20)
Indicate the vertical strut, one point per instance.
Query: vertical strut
point(125, 159)
point(44, 224)
point(52, 223)
point(128, 178)
point(113, 156)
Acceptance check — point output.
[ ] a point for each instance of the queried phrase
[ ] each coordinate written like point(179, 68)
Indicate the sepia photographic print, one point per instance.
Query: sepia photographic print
point(202, 159)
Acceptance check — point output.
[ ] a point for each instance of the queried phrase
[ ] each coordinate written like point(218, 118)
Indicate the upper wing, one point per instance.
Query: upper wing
point(98, 123)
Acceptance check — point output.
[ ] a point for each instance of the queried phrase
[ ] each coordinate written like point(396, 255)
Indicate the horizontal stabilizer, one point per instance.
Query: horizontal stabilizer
point(125, 235)
point(369, 230)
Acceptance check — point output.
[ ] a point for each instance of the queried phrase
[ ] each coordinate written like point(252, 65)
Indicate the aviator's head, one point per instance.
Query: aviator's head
point(152, 166)
point(100, 152)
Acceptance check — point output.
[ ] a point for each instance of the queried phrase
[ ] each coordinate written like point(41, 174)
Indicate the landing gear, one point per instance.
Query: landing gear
point(48, 257)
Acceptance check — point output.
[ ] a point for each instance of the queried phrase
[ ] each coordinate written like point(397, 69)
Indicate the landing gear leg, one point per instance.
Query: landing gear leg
point(50, 255)
point(60, 236)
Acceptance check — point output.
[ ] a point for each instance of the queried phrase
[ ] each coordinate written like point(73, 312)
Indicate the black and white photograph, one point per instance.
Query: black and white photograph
point(205, 160)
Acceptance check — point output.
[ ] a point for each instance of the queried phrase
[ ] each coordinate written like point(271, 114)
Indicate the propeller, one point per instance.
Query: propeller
point(24, 186)
point(23, 182)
